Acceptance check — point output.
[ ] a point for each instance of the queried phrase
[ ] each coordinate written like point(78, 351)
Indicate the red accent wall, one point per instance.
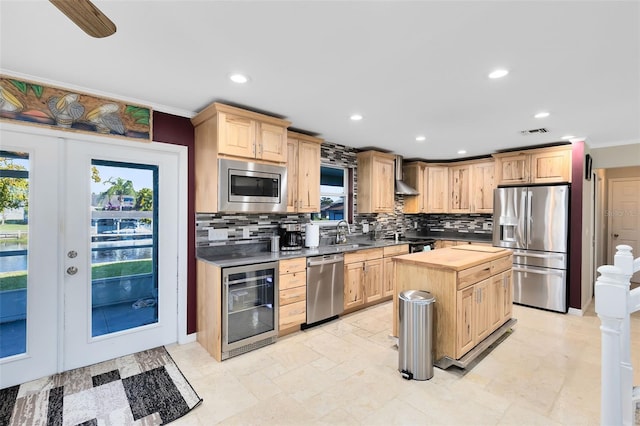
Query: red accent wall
point(575, 228)
point(179, 131)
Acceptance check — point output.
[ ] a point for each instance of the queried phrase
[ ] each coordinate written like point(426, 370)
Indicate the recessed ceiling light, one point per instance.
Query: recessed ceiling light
point(239, 78)
point(541, 114)
point(499, 73)
point(462, 151)
point(567, 137)
point(356, 117)
point(421, 138)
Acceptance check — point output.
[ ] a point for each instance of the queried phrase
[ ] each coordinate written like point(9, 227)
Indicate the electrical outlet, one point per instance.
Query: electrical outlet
point(415, 224)
point(365, 227)
point(246, 232)
point(218, 234)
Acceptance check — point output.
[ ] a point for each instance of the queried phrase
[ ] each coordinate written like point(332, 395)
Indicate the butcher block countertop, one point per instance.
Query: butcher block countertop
point(455, 258)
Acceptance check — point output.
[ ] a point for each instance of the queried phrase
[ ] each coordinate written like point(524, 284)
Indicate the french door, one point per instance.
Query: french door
point(102, 252)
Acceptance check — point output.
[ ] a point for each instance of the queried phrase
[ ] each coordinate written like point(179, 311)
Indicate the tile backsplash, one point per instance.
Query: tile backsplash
point(222, 229)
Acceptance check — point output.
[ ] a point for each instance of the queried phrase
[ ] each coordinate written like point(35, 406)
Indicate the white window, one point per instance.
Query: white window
point(334, 195)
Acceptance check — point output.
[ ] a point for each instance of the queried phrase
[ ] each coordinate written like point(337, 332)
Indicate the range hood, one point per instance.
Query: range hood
point(401, 187)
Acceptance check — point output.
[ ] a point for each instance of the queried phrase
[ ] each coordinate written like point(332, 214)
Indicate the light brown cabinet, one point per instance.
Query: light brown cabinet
point(303, 173)
point(415, 176)
point(432, 182)
point(363, 277)
point(376, 180)
point(501, 299)
point(471, 186)
point(245, 134)
point(541, 165)
point(292, 294)
point(389, 279)
point(482, 185)
point(472, 287)
point(437, 199)
point(226, 131)
point(459, 187)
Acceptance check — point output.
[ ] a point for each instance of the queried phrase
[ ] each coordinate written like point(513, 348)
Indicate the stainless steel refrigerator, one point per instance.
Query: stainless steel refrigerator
point(534, 221)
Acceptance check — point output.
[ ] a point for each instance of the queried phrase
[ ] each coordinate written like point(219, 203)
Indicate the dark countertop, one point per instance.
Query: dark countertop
point(247, 257)
point(461, 236)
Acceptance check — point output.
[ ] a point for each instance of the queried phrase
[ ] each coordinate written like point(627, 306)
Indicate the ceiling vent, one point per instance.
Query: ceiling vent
point(534, 131)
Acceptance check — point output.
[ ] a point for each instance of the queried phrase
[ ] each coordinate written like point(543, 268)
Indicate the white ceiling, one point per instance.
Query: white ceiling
point(409, 68)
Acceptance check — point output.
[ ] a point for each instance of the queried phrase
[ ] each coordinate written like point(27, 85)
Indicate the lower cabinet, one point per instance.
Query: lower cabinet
point(292, 294)
point(501, 297)
point(389, 284)
point(471, 301)
point(483, 306)
point(362, 277)
point(370, 276)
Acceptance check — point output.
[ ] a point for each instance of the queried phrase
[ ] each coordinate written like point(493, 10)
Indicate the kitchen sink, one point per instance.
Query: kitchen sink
point(347, 246)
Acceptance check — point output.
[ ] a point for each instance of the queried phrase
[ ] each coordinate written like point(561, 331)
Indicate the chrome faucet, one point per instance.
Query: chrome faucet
point(341, 237)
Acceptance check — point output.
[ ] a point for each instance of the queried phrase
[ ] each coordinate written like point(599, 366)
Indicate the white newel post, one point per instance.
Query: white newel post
point(614, 306)
point(624, 261)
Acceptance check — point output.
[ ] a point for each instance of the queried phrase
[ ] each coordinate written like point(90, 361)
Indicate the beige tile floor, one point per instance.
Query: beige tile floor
point(345, 372)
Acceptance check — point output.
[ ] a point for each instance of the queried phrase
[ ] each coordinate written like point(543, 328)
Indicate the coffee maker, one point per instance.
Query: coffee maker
point(290, 236)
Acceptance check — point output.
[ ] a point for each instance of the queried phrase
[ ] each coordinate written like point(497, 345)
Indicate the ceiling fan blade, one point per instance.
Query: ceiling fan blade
point(88, 17)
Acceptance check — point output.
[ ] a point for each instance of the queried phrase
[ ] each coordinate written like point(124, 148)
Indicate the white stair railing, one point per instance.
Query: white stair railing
point(615, 302)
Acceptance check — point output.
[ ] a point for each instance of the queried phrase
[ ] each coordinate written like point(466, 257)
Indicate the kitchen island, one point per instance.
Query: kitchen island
point(472, 285)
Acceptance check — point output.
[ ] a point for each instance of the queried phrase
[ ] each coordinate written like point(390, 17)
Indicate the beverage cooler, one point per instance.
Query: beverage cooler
point(249, 307)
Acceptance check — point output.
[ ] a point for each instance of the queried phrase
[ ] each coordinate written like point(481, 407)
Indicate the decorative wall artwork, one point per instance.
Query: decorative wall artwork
point(38, 104)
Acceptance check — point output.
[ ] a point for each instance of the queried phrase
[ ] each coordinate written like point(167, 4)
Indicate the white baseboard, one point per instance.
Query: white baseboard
point(576, 312)
point(189, 338)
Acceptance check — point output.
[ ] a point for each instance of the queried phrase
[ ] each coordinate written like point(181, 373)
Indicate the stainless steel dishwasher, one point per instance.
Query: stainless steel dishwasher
point(325, 287)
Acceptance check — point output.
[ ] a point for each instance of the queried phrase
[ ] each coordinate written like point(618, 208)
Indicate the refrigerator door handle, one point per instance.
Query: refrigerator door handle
point(539, 271)
point(529, 218)
point(540, 256)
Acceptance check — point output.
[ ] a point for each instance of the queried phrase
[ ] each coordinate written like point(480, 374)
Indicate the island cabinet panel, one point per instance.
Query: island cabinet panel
point(292, 294)
point(481, 310)
point(472, 288)
point(466, 321)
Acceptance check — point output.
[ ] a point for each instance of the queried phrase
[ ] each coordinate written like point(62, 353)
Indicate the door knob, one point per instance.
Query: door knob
point(72, 270)
point(72, 254)
point(616, 235)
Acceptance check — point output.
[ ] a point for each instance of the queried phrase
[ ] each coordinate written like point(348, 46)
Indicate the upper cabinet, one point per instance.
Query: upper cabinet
point(460, 188)
point(431, 181)
point(482, 185)
point(437, 198)
point(541, 165)
point(414, 175)
point(236, 132)
point(376, 180)
point(471, 186)
point(303, 173)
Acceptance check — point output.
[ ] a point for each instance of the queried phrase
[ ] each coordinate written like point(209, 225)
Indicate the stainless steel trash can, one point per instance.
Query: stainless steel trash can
point(415, 347)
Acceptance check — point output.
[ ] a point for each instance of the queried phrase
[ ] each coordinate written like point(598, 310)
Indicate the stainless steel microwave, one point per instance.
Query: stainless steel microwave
point(251, 187)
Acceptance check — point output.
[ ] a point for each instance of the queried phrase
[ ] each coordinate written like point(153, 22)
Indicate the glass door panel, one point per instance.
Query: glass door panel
point(122, 213)
point(29, 220)
point(124, 284)
point(14, 241)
